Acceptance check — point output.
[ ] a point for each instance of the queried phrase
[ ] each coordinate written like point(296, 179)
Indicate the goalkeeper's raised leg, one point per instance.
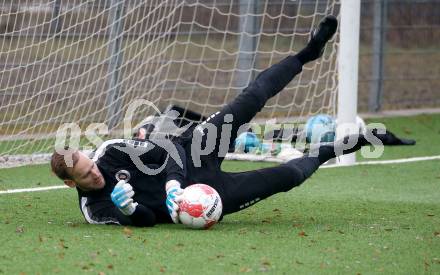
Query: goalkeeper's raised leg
point(268, 84)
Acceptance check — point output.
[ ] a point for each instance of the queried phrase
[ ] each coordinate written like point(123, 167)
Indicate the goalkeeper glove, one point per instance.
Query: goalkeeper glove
point(174, 193)
point(122, 197)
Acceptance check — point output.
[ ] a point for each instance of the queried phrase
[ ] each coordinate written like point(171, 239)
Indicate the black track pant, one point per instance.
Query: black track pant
point(246, 188)
point(241, 190)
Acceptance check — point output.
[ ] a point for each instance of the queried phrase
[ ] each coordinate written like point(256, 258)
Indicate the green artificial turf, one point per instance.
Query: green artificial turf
point(375, 219)
point(27, 177)
point(365, 219)
point(424, 129)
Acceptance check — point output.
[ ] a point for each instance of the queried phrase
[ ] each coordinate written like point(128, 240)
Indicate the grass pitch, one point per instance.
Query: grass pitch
point(379, 219)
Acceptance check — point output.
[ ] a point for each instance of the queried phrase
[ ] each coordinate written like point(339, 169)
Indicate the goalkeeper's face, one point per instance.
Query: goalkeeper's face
point(86, 175)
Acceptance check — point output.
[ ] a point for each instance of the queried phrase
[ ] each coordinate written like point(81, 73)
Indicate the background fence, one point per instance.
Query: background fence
point(399, 54)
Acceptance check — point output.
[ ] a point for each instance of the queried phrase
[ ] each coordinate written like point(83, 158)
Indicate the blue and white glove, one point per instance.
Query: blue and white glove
point(174, 193)
point(122, 197)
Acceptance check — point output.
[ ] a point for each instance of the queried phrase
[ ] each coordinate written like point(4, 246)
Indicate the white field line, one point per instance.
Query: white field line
point(36, 189)
point(391, 161)
point(375, 162)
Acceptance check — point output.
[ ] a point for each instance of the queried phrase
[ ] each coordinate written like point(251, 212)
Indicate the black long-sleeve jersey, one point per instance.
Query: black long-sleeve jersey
point(113, 160)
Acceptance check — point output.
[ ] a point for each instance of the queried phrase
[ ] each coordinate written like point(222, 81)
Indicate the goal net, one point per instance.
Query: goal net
point(85, 61)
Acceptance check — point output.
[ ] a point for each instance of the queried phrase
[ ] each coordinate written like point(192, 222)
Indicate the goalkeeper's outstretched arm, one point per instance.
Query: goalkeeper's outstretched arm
point(104, 211)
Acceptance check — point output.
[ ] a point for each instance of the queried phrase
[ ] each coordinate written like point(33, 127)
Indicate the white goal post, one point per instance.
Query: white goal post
point(84, 61)
point(348, 69)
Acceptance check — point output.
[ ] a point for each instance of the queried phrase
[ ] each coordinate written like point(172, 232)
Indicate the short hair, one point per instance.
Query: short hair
point(58, 163)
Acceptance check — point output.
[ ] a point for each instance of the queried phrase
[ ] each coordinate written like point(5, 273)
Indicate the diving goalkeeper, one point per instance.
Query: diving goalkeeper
point(113, 190)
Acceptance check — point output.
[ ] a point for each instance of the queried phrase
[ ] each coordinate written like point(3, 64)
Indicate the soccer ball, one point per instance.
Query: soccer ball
point(320, 128)
point(201, 206)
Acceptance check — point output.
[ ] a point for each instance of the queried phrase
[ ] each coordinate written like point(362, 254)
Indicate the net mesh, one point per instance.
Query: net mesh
point(85, 61)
